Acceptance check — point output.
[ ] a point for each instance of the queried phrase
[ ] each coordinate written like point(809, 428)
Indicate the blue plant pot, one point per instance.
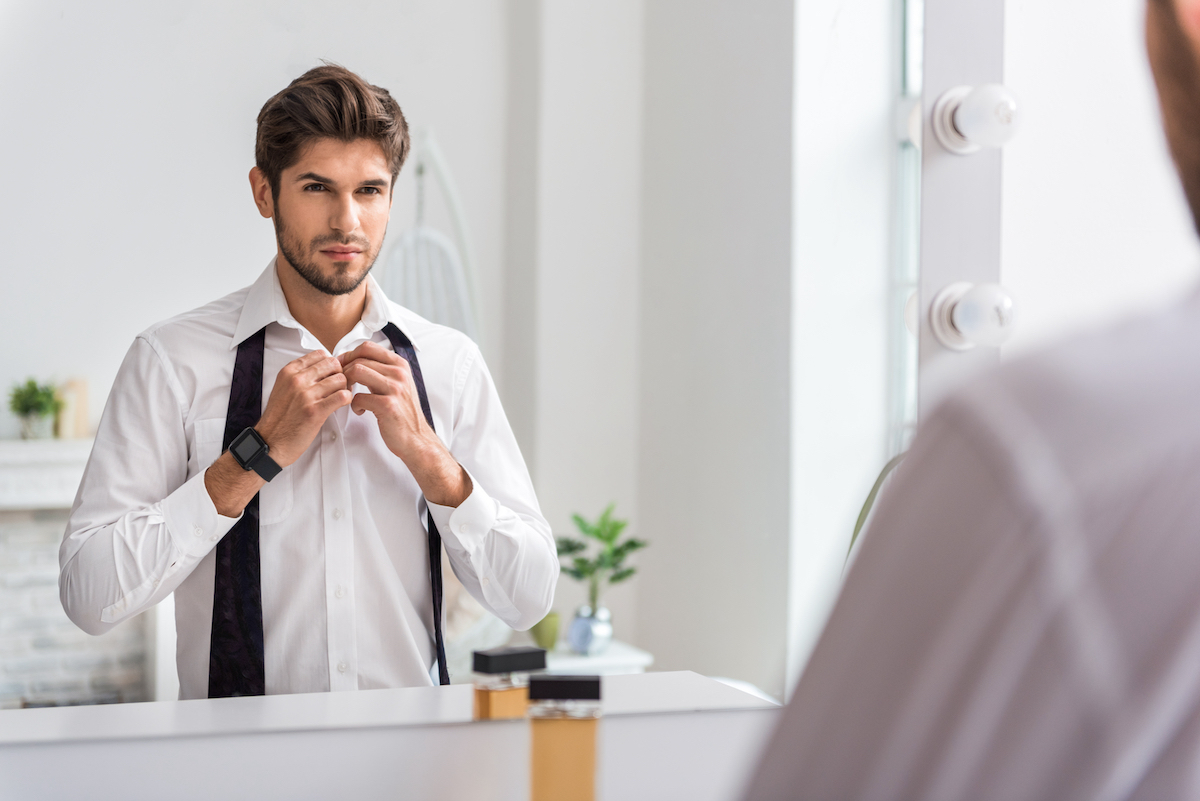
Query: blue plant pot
point(590, 631)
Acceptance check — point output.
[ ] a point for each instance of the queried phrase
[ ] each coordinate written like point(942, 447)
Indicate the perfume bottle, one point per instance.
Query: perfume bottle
point(564, 712)
point(502, 681)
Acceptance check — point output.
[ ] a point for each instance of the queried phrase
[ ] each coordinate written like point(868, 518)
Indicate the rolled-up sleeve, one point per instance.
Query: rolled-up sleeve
point(499, 544)
point(139, 525)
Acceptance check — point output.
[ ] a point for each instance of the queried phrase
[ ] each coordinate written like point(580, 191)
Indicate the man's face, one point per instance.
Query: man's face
point(1172, 27)
point(332, 212)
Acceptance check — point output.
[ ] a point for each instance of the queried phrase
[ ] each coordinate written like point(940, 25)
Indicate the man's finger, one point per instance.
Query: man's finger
point(367, 402)
point(364, 373)
point(322, 369)
point(334, 401)
point(330, 384)
point(393, 372)
point(369, 350)
point(309, 359)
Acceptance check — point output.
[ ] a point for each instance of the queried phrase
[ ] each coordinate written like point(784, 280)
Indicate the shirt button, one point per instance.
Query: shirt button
point(342, 667)
point(462, 529)
point(333, 436)
point(199, 532)
point(340, 592)
point(337, 514)
point(214, 538)
point(485, 582)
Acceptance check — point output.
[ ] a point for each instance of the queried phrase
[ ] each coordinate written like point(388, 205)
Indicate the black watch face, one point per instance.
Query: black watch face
point(244, 448)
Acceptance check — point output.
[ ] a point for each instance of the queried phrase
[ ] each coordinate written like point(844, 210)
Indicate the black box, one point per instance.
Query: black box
point(509, 660)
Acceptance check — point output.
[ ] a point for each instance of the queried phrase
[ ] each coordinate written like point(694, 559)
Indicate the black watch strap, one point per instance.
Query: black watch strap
point(251, 451)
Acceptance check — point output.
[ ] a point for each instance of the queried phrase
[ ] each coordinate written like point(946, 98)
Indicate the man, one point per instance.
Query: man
point(302, 536)
point(1023, 621)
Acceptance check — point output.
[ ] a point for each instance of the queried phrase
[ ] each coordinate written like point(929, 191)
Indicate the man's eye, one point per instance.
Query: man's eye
point(314, 188)
point(371, 190)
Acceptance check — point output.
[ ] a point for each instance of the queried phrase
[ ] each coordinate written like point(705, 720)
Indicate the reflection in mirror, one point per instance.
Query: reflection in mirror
point(625, 206)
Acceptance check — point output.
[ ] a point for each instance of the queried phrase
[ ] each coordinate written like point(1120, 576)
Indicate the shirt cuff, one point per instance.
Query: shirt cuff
point(465, 525)
point(192, 518)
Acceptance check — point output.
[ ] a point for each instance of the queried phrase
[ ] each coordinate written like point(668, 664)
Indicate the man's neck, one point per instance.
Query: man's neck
point(327, 317)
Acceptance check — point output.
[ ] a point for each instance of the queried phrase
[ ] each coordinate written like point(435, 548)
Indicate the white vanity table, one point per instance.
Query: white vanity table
point(663, 735)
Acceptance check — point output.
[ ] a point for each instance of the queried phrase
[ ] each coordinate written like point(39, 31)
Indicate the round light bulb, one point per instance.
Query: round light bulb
point(985, 315)
point(988, 116)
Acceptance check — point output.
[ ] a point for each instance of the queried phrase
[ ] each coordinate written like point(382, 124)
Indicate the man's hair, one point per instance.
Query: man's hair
point(327, 102)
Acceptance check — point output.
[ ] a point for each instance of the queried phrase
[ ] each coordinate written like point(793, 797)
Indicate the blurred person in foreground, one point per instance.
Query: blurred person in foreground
point(1024, 619)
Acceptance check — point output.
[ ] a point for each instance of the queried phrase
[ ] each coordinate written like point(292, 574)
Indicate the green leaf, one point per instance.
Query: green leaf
point(621, 575)
point(585, 567)
point(568, 545)
point(614, 530)
point(629, 546)
point(34, 398)
point(865, 512)
point(586, 528)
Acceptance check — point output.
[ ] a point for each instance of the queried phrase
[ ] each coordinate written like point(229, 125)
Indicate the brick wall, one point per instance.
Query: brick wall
point(44, 658)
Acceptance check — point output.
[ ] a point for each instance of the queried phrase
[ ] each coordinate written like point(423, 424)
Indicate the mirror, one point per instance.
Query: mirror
point(637, 195)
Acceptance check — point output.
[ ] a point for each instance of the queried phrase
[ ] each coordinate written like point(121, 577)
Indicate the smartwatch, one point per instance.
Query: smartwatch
point(252, 453)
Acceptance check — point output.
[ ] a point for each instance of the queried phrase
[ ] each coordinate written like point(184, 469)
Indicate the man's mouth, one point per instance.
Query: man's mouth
point(341, 253)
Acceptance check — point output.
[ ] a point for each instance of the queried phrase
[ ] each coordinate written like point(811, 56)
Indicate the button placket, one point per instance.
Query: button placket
point(339, 561)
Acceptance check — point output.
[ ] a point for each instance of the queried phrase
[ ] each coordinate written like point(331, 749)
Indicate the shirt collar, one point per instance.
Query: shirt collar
point(265, 304)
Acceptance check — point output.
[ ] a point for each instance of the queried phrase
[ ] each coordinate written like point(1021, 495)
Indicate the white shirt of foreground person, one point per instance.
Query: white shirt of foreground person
point(1023, 620)
point(345, 568)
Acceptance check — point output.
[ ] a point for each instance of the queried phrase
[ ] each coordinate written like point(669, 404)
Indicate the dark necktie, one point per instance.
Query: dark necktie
point(235, 663)
point(235, 655)
point(403, 346)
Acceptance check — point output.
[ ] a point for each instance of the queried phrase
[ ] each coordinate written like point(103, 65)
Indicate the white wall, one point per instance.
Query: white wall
point(713, 467)
point(573, 317)
point(129, 132)
point(1094, 221)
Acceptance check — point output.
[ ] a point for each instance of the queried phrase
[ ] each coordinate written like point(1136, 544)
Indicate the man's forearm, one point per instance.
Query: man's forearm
point(441, 478)
point(229, 486)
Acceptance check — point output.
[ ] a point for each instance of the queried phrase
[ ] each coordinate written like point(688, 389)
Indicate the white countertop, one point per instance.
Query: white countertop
point(645, 693)
point(663, 736)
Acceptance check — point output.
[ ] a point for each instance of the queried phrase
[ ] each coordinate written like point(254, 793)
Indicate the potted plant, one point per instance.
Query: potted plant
point(591, 629)
point(36, 404)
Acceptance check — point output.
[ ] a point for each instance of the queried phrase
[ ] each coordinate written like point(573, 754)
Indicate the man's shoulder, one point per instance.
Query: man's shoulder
point(437, 340)
point(1115, 396)
point(209, 325)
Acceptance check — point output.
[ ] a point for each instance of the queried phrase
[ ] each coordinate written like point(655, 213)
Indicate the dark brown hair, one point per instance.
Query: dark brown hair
point(327, 102)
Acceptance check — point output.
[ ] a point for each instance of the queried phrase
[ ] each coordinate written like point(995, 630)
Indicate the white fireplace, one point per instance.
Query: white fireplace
point(44, 659)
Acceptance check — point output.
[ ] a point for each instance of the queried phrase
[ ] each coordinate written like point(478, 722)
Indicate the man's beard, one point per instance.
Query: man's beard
point(342, 282)
point(1177, 75)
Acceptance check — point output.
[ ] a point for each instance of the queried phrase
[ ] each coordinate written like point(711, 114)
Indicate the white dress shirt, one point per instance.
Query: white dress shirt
point(1023, 620)
point(345, 570)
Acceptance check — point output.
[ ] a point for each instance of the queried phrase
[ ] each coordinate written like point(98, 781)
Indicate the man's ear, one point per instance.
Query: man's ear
point(261, 188)
point(1188, 12)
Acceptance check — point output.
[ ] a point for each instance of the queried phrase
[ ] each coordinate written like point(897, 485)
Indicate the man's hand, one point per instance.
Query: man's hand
point(394, 401)
point(306, 392)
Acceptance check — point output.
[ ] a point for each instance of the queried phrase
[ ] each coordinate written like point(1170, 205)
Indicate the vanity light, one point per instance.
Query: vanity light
point(965, 315)
point(967, 118)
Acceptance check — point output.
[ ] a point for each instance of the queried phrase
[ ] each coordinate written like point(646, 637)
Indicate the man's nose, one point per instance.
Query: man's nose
point(344, 216)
